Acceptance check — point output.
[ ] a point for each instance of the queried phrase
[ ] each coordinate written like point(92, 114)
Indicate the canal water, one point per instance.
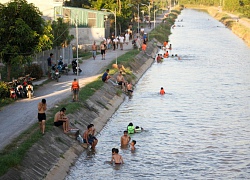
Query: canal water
point(200, 129)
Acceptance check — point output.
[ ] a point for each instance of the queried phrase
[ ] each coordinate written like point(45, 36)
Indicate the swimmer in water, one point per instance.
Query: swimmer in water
point(117, 158)
point(138, 129)
point(125, 139)
point(162, 92)
point(132, 145)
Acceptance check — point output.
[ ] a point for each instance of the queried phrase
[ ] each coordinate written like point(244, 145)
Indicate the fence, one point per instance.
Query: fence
point(41, 58)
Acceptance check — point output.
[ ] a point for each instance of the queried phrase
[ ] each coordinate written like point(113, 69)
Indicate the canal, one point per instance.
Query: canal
point(200, 129)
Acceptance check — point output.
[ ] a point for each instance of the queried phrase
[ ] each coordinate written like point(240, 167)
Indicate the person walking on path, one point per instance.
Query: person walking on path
point(127, 38)
point(94, 49)
point(103, 50)
point(42, 107)
point(75, 88)
point(49, 64)
point(121, 38)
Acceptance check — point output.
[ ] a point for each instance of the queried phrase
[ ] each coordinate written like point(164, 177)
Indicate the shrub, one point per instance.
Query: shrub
point(4, 90)
point(34, 70)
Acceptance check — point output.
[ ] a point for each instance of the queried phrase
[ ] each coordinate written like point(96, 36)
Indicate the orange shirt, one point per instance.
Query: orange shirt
point(162, 91)
point(75, 85)
point(143, 47)
point(165, 44)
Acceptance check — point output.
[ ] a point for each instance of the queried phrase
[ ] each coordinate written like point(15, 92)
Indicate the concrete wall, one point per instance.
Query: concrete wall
point(87, 35)
point(41, 58)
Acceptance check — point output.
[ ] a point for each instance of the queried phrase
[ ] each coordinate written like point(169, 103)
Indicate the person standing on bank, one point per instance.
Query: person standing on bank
point(42, 107)
point(49, 64)
point(75, 88)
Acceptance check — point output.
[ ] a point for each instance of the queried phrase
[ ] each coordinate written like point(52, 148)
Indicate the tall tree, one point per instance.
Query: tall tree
point(22, 32)
point(60, 32)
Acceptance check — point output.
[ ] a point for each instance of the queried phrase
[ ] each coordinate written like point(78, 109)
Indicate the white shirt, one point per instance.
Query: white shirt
point(121, 38)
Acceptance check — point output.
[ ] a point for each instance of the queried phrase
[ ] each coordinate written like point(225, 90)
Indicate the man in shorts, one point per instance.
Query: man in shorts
point(94, 49)
point(75, 88)
point(61, 119)
point(42, 106)
point(103, 50)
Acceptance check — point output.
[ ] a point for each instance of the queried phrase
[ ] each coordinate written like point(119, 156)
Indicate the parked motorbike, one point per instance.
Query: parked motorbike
point(63, 68)
point(30, 91)
point(20, 91)
point(55, 73)
point(12, 91)
point(74, 67)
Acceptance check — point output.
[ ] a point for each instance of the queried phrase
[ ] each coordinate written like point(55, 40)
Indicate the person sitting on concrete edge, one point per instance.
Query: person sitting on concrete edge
point(106, 76)
point(61, 119)
point(130, 88)
point(121, 81)
point(88, 137)
point(75, 88)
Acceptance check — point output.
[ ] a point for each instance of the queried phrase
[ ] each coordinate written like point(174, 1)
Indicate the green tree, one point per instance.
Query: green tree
point(22, 32)
point(60, 32)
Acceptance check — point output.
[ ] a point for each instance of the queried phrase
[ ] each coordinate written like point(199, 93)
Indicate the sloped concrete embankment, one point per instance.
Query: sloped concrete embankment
point(52, 156)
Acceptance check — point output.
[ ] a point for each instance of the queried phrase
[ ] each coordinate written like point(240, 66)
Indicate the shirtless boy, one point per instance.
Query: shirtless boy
point(42, 106)
point(125, 139)
point(120, 80)
point(89, 138)
point(61, 119)
point(94, 49)
point(117, 158)
point(132, 145)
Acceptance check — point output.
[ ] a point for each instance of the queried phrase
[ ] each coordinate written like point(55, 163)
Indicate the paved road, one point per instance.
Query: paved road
point(17, 117)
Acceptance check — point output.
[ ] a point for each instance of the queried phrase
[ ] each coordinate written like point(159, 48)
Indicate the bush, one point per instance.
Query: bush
point(34, 70)
point(4, 90)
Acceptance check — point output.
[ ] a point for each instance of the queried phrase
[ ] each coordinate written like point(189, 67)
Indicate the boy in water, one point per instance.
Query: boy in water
point(132, 145)
point(162, 92)
point(117, 158)
point(125, 139)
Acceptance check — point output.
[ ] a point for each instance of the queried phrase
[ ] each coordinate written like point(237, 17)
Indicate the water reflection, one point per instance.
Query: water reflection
point(200, 128)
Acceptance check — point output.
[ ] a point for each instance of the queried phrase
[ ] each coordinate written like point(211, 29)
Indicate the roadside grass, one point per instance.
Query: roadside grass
point(6, 101)
point(13, 154)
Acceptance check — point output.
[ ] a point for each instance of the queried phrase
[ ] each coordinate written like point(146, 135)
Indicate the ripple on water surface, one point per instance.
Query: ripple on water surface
point(200, 128)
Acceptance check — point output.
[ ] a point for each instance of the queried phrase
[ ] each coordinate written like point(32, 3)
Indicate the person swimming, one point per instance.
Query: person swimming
point(162, 92)
point(131, 128)
point(138, 129)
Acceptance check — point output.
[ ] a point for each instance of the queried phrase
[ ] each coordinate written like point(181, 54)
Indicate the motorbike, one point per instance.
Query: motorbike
point(12, 90)
point(30, 91)
point(55, 73)
point(63, 68)
point(20, 91)
point(74, 67)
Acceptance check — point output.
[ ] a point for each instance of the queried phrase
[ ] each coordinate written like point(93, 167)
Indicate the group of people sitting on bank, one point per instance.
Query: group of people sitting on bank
point(125, 86)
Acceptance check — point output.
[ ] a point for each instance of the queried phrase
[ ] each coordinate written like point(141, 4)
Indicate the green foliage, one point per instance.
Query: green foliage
point(21, 32)
point(4, 90)
point(6, 101)
point(34, 70)
point(60, 31)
